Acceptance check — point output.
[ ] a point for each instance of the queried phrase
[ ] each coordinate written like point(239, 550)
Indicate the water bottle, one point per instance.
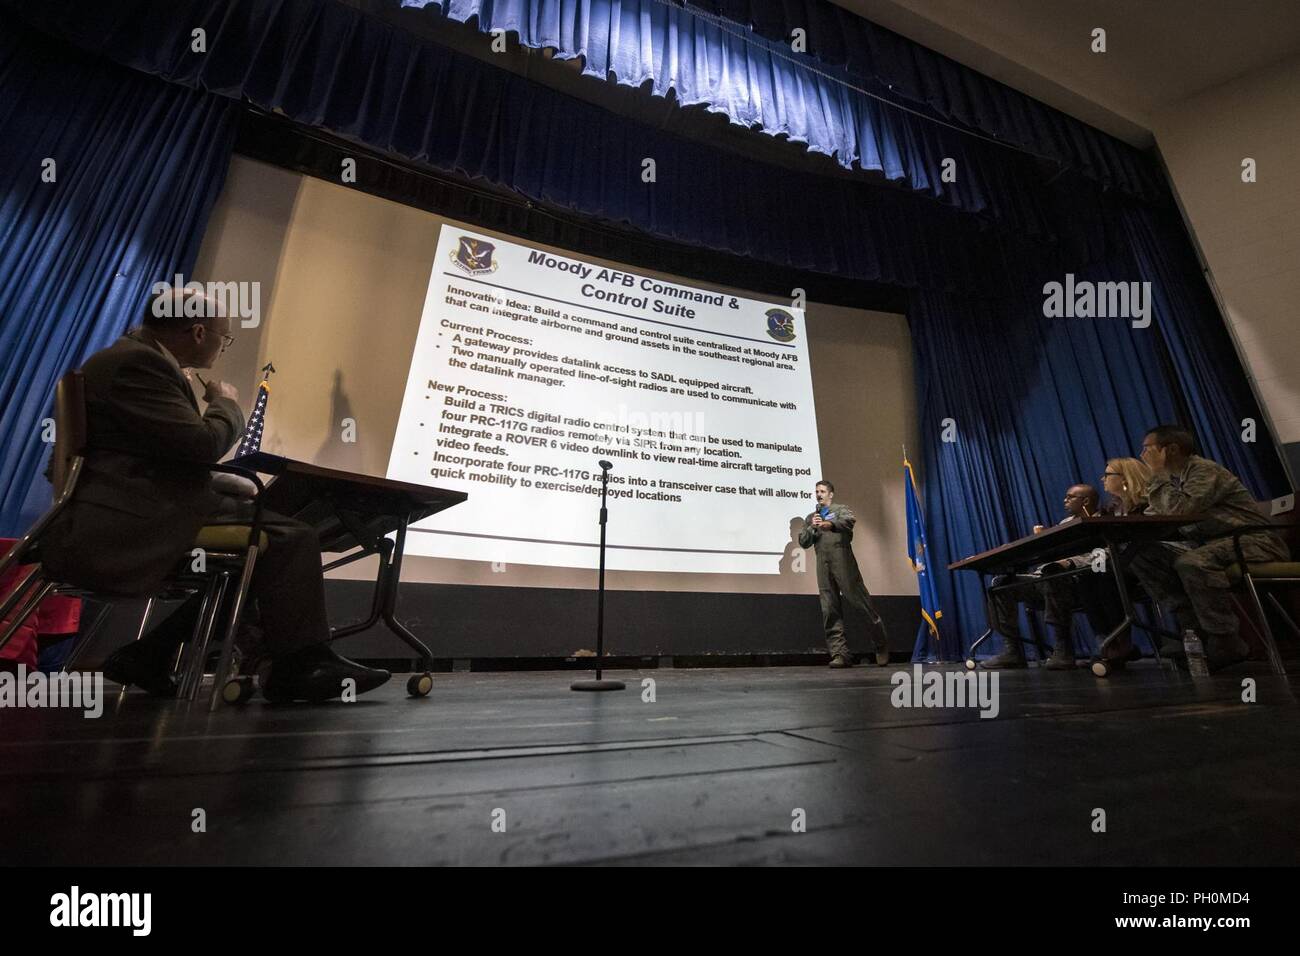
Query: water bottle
point(1195, 652)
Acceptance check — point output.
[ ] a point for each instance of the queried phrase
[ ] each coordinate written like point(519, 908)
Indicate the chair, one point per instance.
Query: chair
point(228, 552)
point(1246, 578)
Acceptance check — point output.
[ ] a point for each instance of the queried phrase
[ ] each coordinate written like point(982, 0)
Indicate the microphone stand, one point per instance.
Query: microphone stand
point(599, 684)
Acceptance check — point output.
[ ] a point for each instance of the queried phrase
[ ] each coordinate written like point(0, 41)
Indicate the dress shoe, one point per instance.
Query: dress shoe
point(317, 674)
point(841, 660)
point(145, 664)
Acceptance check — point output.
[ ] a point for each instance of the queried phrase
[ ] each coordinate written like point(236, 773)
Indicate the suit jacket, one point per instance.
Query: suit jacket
point(824, 542)
point(144, 489)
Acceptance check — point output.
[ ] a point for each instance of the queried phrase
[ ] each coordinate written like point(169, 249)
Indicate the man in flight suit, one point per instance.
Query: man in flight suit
point(829, 530)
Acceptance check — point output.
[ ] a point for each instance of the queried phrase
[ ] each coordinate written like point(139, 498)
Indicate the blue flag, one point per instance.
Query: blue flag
point(919, 553)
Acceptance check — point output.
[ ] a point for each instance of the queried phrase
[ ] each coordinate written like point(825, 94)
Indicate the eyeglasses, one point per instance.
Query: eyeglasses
point(227, 339)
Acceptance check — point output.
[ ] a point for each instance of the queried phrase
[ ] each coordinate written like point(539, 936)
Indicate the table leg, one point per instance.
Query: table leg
point(418, 685)
point(376, 600)
point(970, 655)
point(1103, 667)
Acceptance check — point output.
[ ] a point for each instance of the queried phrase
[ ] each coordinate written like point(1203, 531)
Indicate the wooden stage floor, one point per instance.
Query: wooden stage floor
point(712, 772)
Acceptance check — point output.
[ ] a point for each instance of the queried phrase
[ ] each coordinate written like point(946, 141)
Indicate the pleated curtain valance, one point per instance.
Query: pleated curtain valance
point(851, 95)
point(325, 64)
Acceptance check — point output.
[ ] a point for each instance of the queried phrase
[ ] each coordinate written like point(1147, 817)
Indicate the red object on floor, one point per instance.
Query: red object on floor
point(55, 615)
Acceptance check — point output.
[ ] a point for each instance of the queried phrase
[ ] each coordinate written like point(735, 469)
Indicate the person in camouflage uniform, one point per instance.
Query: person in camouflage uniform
point(1189, 577)
point(829, 531)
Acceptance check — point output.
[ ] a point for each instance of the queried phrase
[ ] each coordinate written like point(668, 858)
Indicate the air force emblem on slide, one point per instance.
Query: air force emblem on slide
point(474, 256)
point(780, 325)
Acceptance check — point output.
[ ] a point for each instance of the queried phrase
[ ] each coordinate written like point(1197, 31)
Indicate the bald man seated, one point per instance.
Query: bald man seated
point(145, 492)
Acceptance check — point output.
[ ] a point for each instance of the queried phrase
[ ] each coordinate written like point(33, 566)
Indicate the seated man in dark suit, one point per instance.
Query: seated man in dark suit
point(145, 492)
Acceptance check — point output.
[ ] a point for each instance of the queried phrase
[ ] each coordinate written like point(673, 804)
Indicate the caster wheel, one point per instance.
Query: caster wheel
point(970, 663)
point(237, 690)
point(419, 685)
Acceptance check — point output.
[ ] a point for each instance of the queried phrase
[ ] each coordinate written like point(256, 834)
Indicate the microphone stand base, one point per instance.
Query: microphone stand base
point(598, 685)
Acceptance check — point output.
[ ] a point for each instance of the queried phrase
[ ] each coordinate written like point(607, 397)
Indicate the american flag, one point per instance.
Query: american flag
point(252, 440)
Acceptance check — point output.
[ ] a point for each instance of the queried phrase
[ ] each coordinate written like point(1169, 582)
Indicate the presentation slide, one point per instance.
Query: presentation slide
point(530, 367)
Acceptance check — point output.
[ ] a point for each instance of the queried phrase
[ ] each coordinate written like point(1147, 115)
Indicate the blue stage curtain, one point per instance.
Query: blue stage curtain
point(327, 65)
point(1037, 404)
point(1040, 411)
point(138, 164)
point(841, 98)
point(1199, 345)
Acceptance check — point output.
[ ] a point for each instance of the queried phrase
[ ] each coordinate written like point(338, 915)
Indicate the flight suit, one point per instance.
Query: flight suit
point(838, 577)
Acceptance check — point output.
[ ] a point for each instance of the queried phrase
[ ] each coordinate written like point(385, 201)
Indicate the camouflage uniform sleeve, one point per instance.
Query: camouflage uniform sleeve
point(1199, 491)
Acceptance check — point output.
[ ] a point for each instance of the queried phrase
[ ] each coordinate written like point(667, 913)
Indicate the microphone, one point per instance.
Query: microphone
point(821, 510)
point(605, 465)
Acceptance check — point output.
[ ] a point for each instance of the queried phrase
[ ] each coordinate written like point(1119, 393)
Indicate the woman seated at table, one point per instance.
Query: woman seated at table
point(1126, 480)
